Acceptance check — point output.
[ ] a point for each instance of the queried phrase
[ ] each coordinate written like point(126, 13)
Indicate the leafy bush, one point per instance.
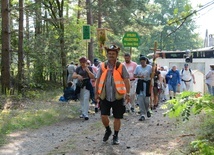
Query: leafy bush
point(191, 103)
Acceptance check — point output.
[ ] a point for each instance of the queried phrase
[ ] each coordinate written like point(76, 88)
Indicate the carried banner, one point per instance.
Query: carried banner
point(102, 37)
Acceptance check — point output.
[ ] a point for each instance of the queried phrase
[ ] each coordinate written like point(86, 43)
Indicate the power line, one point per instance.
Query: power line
point(206, 5)
point(195, 11)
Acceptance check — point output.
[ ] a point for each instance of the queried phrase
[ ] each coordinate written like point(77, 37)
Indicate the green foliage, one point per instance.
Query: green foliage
point(191, 103)
point(171, 23)
point(43, 60)
point(202, 147)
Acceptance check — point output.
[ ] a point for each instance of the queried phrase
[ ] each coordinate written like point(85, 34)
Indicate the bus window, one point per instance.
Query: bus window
point(176, 55)
point(209, 54)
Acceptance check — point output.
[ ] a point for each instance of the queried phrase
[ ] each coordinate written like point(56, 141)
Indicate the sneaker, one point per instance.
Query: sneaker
point(132, 109)
point(148, 114)
point(115, 140)
point(81, 116)
point(86, 118)
point(107, 135)
point(142, 118)
point(96, 110)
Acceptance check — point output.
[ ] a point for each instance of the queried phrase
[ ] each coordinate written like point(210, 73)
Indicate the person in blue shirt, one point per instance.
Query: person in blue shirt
point(173, 77)
point(69, 92)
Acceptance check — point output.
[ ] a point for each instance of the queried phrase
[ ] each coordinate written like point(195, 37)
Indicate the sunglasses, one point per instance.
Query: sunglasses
point(112, 47)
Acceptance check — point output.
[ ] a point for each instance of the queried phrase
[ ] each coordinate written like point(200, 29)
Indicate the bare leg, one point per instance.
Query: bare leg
point(105, 120)
point(117, 124)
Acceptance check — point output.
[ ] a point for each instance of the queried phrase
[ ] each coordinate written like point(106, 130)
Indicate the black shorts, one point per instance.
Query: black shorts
point(118, 108)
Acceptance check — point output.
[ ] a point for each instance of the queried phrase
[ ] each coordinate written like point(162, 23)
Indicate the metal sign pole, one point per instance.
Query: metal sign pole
point(86, 48)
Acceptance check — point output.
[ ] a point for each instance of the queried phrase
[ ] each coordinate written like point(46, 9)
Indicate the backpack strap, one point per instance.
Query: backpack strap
point(105, 64)
point(189, 71)
point(117, 64)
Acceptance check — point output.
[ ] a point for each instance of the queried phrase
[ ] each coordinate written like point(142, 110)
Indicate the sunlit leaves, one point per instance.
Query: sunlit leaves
point(190, 103)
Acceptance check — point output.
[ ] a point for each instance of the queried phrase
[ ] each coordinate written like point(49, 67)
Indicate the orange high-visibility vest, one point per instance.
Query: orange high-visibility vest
point(118, 80)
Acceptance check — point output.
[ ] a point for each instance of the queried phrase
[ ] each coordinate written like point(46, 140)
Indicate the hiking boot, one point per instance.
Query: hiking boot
point(142, 118)
point(107, 135)
point(115, 140)
point(86, 118)
point(148, 114)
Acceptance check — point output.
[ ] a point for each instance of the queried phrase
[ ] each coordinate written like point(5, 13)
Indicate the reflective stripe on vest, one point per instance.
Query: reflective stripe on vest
point(118, 81)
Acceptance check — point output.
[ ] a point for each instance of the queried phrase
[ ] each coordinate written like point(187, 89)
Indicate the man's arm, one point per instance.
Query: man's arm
point(179, 79)
point(96, 88)
point(127, 85)
point(97, 81)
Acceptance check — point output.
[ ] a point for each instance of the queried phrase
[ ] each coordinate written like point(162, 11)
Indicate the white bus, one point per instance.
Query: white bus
point(201, 60)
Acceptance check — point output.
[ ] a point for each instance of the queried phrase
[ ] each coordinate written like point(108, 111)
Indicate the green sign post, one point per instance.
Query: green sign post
point(131, 39)
point(86, 32)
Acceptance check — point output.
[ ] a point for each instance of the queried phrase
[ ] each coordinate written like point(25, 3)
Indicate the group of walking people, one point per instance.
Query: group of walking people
point(114, 84)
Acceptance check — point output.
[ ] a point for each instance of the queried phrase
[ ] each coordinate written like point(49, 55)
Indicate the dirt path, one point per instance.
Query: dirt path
point(157, 135)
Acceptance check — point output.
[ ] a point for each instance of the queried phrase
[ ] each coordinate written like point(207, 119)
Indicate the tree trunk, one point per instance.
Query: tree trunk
point(62, 44)
point(58, 23)
point(5, 57)
point(90, 22)
point(78, 11)
point(20, 47)
point(100, 18)
point(38, 72)
point(28, 39)
point(99, 13)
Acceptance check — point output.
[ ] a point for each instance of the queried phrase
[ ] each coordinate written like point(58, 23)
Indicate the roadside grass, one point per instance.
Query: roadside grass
point(40, 108)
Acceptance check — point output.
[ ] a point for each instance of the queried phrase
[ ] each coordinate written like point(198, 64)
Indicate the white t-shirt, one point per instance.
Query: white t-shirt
point(186, 75)
point(163, 73)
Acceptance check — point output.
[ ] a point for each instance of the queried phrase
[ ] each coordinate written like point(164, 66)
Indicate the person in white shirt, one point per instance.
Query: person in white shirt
point(210, 80)
point(186, 78)
point(163, 73)
point(71, 69)
point(131, 66)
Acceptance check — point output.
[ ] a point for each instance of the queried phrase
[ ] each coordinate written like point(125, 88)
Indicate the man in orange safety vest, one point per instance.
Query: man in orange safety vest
point(112, 87)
